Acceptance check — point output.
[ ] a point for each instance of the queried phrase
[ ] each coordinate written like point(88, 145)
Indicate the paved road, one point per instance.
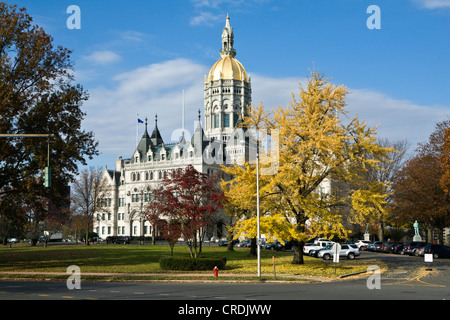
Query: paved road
point(407, 280)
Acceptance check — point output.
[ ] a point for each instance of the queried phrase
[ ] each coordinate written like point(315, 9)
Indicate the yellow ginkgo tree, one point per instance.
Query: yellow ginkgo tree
point(317, 143)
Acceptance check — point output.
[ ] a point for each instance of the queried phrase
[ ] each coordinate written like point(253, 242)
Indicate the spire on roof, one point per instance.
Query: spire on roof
point(156, 138)
point(227, 40)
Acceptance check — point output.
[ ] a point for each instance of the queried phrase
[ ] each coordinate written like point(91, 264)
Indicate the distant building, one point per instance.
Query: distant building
point(227, 93)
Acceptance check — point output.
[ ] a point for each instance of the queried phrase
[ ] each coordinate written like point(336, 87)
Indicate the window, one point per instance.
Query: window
point(216, 121)
point(226, 120)
point(149, 158)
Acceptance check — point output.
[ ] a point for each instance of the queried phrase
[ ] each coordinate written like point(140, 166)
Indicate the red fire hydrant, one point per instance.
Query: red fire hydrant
point(216, 272)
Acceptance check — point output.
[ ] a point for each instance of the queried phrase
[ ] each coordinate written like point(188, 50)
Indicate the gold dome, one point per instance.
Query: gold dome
point(227, 68)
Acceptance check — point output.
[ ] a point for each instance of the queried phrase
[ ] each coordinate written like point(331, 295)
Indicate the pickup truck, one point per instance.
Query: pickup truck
point(315, 246)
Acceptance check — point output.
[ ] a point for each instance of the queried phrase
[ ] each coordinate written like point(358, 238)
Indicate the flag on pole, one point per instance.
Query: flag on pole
point(140, 121)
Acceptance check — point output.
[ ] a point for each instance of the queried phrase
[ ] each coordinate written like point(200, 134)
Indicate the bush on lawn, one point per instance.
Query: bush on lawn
point(189, 264)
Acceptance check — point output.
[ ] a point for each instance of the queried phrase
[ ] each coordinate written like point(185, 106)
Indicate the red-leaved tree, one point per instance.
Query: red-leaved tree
point(185, 206)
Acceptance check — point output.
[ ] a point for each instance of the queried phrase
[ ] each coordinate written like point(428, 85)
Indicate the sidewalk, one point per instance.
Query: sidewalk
point(194, 277)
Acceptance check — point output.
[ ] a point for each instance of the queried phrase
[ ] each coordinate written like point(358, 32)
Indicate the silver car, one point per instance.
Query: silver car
point(347, 250)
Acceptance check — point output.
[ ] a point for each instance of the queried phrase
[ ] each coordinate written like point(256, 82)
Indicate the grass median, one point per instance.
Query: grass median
point(142, 262)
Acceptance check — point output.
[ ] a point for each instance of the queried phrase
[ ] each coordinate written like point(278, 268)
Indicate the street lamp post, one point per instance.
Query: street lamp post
point(258, 231)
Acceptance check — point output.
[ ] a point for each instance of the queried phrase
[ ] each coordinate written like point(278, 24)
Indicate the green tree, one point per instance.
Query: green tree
point(37, 96)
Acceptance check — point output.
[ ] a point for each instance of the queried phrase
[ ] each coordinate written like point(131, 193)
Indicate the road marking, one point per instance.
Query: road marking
point(67, 297)
point(410, 282)
point(43, 295)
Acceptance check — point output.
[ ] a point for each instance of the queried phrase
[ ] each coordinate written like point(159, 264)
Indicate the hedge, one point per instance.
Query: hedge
point(189, 264)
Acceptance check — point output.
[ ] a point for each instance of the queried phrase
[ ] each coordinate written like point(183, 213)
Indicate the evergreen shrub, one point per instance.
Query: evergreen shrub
point(189, 264)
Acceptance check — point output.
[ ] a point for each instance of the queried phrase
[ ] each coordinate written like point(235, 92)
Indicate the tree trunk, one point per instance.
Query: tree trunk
point(253, 252)
point(230, 246)
point(298, 252)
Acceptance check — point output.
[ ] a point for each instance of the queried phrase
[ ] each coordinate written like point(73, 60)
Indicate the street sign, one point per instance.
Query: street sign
point(336, 248)
point(428, 258)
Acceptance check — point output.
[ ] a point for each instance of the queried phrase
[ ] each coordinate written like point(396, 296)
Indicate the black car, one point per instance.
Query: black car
point(118, 240)
point(438, 250)
point(411, 247)
point(397, 248)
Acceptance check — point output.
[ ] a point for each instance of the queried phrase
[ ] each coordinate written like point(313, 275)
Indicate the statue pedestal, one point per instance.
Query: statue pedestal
point(366, 237)
point(417, 238)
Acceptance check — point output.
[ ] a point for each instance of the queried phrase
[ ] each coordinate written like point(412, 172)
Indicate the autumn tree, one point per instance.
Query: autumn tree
point(38, 96)
point(444, 160)
point(187, 203)
point(372, 196)
point(418, 190)
point(317, 142)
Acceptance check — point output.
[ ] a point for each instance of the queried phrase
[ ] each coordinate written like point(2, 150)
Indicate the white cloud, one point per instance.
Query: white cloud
point(147, 91)
point(103, 57)
point(157, 89)
point(206, 18)
point(433, 4)
point(397, 119)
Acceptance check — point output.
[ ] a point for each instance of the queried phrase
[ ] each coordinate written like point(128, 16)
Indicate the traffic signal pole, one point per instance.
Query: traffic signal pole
point(47, 170)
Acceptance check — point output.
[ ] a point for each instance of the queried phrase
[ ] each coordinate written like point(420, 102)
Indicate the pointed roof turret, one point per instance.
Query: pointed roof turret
point(145, 142)
point(199, 140)
point(156, 138)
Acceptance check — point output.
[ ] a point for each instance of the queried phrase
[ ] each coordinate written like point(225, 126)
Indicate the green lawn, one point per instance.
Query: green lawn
point(145, 259)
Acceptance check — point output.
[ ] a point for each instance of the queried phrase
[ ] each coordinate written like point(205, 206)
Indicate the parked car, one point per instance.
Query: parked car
point(118, 239)
point(273, 245)
point(374, 245)
point(411, 247)
point(438, 250)
point(319, 245)
point(244, 244)
point(419, 252)
point(397, 248)
point(315, 252)
point(347, 250)
point(386, 247)
point(362, 244)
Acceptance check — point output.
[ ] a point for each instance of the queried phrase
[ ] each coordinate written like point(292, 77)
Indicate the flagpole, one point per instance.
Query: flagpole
point(137, 130)
point(182, 115)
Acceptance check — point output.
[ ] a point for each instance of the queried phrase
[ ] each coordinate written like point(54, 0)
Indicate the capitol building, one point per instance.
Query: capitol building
point(227, 93)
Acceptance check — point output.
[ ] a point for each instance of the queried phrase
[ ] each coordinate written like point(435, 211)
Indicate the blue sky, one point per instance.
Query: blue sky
point(136, 57)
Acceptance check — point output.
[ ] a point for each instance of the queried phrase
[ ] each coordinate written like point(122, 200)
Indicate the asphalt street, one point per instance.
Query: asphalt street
point(405, 279)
